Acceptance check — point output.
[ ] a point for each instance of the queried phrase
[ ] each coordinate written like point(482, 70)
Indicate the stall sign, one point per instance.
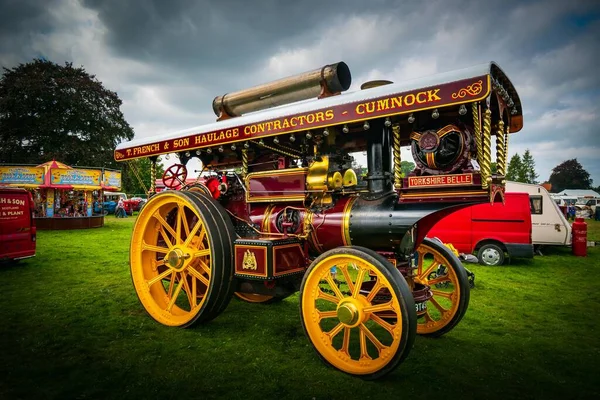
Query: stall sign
point(76, 177)
point(112, 179)
point(21, 175)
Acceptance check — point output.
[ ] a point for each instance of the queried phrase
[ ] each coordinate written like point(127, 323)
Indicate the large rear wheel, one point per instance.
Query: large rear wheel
point(181, 258)
point(440, 270)
point(361, 320)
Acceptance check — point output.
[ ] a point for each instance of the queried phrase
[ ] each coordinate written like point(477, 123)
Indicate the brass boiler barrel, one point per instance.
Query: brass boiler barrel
point(335, 78)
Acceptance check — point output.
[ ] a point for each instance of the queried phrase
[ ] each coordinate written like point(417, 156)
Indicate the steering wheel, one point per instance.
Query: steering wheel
point(174, 176)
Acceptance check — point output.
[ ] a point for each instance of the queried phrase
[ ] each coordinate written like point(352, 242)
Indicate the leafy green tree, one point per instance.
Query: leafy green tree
point(570, 175)
point(529, 174)
point(131, 184)
point(515, 169)
point(407, 167)
point(494, 168)
point(49, 111)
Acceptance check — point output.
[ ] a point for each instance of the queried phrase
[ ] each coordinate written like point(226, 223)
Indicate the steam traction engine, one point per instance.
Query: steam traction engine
point(279, 207)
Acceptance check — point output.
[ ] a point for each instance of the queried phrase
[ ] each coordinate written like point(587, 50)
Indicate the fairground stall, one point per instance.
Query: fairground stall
point(64, 196)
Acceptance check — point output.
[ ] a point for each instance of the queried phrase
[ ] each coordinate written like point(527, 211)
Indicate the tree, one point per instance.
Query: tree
point(570, 175)
point(515, 169)
point(407, 167)
point(131, 184)
point(49, 111)
point(494, 168)
point(529, 174)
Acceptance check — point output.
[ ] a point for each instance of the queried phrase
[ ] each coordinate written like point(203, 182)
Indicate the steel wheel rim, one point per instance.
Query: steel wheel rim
point(355, 345)
point(490, 256)
point(445, 289)
point(171, 259)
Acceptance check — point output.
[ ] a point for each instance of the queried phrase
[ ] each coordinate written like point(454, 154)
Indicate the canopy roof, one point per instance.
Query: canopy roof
point(437, 91)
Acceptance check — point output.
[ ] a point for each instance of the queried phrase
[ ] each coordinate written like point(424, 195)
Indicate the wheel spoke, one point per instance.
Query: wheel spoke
point(347, 278)
point(174, 298)
point(204, 267)
point(198, 276)
point(171, 284)
point(438, 305)
point(372, 338)
point(186, 227)
point(156, 249)
point(378, 285)
point(194, 291)
point(429, 270)
point(333, 333)
point(165, 237)
point(359, 281)
point(364, 354)
point(325, 296)
point(333, 286)
point(202, 253)
point(346, 343)
point(440, 279)
point(389, 306)
point(164, 223)
point(193, 233)
point(178, 225)
point(385, 325)
point(186, 287)
point(158, 278)
point(326, 314)
point(447, 295)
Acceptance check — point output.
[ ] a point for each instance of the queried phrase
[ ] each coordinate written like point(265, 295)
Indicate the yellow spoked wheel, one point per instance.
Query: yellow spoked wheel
point(341, 304)
point(440, 270)
point(181, 258)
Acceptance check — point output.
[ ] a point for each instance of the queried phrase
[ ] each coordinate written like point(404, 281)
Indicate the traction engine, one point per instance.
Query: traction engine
point(282, 206)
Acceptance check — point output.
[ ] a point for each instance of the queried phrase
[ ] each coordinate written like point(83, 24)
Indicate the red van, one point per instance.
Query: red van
point(490, 231)
point(17, 226)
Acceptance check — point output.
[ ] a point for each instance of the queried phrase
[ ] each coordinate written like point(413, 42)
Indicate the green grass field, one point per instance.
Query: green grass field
point(72, 328)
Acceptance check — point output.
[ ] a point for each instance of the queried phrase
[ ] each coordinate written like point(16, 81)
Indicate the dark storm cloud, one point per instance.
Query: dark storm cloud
point(18, 20)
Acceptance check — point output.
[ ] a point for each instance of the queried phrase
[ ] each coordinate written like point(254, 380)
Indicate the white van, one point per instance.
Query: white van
point(549, 225)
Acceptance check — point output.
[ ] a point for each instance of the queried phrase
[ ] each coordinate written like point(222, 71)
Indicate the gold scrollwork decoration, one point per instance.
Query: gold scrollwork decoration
point(472, 90)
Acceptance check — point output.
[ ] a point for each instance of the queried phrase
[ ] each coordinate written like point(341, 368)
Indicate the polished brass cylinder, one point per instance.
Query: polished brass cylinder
point(332, 78)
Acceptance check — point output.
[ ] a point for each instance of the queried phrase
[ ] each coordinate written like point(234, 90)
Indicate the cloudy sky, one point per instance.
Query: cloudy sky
point(167, 60)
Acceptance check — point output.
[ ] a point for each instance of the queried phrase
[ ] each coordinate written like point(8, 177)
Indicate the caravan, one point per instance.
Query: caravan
point(549, 225)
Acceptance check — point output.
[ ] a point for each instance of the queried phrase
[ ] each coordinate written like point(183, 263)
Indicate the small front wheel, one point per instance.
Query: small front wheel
point(358, 311)
point(441, 271)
